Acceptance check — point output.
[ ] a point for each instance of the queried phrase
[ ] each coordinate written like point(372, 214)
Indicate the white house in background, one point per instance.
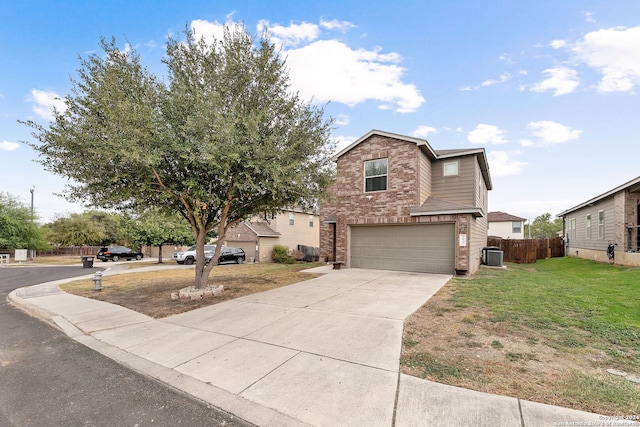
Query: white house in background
point(505, 225)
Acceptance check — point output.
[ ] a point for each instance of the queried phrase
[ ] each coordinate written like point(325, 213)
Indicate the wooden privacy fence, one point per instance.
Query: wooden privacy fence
point(528, 251)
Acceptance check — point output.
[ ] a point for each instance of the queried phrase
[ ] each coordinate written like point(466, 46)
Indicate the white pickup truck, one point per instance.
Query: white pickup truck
point(189, 256)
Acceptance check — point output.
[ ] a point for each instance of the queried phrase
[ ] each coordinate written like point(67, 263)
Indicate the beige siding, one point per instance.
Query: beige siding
point(479, 225)
point(459, 189)
point(265, 248)
point(581, 240)
point(425, 178)
point(481, 196)
point(478, 241)
point(300, 233)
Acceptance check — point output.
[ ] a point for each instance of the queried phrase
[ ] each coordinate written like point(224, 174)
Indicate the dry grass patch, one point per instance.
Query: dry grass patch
point(150, 292)
point(534, 334)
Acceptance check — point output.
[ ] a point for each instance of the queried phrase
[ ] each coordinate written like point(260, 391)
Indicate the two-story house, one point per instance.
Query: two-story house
point(506, 226)
point(610, 218)
point(398, 204)
point(288, 228)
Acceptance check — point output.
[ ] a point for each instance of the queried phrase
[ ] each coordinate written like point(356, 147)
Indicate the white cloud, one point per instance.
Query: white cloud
point(209, 30)
point(293, 35)
point(561, 80)
point(505, 58)
point(549, 132)
point(334, 24)
point(615, 53)
point(503, 78)
point(423, 131)
point(326, 70)
point(501, 163)
point(343, 141)
point(486, 134)
point(8, 146)
point(588, 17)
point(557, 44)
point(46, 102)
point(342, 119)
point(329, 70)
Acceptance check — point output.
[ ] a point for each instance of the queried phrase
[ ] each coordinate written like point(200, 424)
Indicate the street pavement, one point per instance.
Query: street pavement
point(323, 352)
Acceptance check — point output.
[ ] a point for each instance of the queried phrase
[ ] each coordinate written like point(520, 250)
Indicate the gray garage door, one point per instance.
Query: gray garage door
point(420, 248)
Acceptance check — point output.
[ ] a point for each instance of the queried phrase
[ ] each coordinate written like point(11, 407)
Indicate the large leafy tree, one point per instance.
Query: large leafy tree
point(18, 229)
point(75, 230)
point(87, 228)
point(224, 137)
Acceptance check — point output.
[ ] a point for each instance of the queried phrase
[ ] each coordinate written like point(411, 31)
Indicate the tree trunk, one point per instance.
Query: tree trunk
point(160, 254)
point(201, 277)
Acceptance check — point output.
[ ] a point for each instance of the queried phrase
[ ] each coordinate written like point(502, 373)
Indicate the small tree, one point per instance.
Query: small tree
point(543, 228)
point(155, 229)
point(225, 139)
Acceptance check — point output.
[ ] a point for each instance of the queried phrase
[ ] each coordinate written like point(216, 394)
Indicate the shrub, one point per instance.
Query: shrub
point(281, 255)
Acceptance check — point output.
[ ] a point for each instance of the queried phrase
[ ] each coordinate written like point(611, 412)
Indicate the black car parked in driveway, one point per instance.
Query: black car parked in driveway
point(116, 253)
point(227, 254)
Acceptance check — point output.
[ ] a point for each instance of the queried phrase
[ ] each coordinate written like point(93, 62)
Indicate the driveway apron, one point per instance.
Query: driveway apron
point(325, 351)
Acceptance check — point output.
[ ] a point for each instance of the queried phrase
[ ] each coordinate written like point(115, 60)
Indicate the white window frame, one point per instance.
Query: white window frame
point(446, 172)
point(588, 226)
point(517, 224)
point(311, 221)
point(572, 228)
point(366, 177)
point(601, 224)
point(292, 218)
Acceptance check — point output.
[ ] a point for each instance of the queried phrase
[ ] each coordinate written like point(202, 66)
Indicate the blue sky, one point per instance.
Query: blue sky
point(548, 88)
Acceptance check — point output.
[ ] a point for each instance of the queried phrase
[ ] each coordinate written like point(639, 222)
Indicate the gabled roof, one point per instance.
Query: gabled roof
point(502, 216)
point(633, 185)
point(433, 206)
point(262, 229)
point(428, 150)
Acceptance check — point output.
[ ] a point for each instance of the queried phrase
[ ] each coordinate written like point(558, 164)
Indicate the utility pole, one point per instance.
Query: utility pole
point(31, 250)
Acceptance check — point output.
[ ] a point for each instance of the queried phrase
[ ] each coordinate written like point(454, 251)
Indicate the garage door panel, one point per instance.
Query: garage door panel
point(420, 248)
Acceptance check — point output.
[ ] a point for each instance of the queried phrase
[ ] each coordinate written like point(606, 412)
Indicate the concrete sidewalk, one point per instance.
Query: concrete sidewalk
point(324, 352)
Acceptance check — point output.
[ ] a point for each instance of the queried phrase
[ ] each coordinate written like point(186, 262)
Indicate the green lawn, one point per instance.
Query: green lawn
point(563, 296)
point(545, 332)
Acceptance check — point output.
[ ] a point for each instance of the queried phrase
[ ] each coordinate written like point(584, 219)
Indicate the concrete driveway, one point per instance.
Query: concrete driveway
point(325, 351)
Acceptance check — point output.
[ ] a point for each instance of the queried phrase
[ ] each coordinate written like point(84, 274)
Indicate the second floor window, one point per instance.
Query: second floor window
point(291, 218)
point(375, 175)
point(516, 227)
point(450, 169)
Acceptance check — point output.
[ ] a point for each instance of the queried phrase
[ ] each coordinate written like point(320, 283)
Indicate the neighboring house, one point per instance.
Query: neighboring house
point(398, 204)
point(610, 218)
point(289, 228)
point(505, 225)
